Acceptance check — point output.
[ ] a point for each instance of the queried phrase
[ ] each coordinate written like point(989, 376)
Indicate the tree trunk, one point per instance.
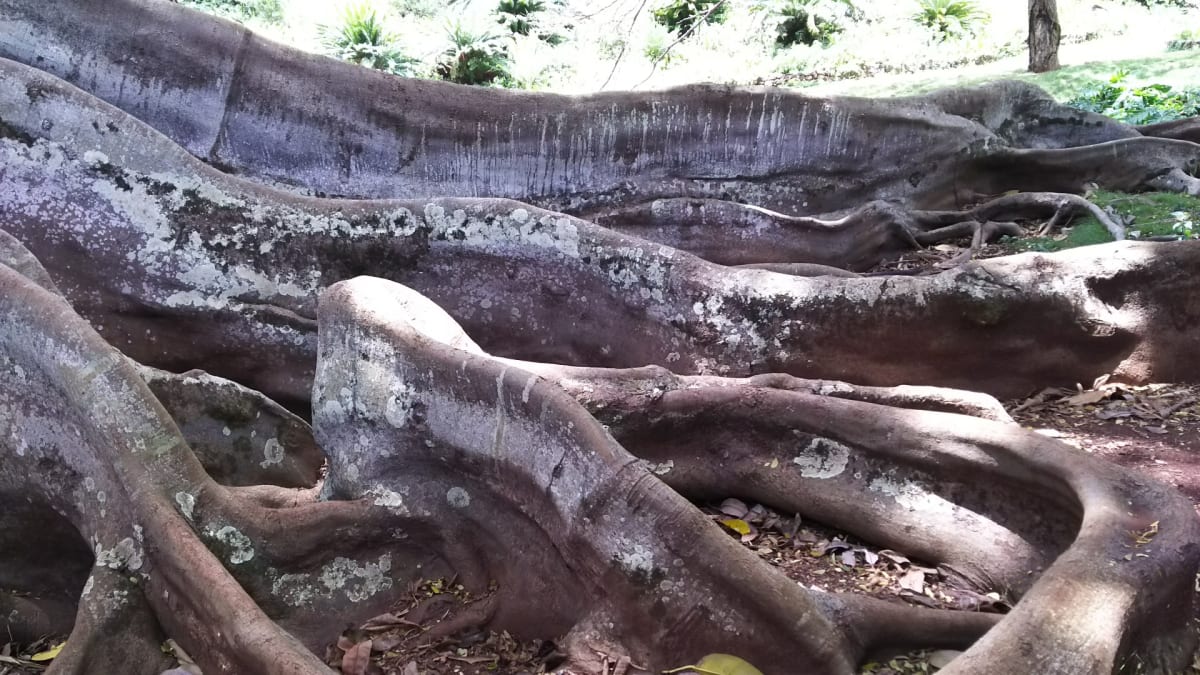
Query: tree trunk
point(1044, 35)
point(529, 396)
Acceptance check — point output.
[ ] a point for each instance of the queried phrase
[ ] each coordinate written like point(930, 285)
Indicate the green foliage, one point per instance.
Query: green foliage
point(266, 11)
point(1145, 104)
point(656, 46)
point(421, 9)
point(681, 15)
point(1084, 233)
point(474, 57)
point(518, 14)
point(1150, 214)
point(521, 18)
point(1187, 39)
point(809, 22)
point(950, 18)
point(1186, 4)
point(361, 38)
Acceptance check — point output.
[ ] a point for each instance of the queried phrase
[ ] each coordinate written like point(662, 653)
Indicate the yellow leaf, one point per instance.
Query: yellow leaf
point(49, 654)
point(737, 525)
point(720, 664)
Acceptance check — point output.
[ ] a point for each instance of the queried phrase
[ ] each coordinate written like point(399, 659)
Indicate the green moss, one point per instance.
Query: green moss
point(1153, 214)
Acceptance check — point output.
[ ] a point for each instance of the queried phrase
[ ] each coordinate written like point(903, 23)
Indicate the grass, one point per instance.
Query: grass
point(1178, 69)
point(1149, 214)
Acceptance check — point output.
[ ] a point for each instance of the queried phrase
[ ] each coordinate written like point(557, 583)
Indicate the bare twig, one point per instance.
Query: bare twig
point(667, 51)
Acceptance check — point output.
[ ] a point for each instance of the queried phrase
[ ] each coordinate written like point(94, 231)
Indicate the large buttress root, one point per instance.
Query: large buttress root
point(486, 422)
point(175, 515)
point(240, 101)
point(197, 269)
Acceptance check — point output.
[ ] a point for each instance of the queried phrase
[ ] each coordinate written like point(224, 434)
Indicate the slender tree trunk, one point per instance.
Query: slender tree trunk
point(1044, 35)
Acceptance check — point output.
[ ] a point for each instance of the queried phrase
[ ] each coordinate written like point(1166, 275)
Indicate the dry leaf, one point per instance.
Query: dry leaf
point(737, 525)
point(1090, 397)
point(356, 659)
point(49, 654)
point(913, 580)
point(942, 657)
point(734, 508)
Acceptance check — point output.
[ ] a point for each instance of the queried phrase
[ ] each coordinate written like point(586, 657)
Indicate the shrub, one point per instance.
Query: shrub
point(1145, 104)
point(474, 58)
point(681, 15)
point(267, 11)
point(521, 18)
point(950, 18)
point(518, 14)
point(1188, 39)
point(809, 22)
point(1186, 4)
point(421, 9)
point(362, 38)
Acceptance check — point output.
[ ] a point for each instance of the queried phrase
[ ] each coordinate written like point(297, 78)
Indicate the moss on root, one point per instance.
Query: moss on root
point(1148, 215)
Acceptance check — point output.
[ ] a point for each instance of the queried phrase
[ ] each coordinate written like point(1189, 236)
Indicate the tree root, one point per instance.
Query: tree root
point(558, 486)
point(690, 316)
point(426, 437)
point(1187, 129)
point(749, 236)
point(1105, 502)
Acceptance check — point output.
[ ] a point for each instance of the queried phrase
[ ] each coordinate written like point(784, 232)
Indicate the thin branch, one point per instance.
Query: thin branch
point(667, 52)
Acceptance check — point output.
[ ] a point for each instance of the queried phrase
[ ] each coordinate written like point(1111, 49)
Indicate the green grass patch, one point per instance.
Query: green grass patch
point(1154, 214)
point(1178, 69)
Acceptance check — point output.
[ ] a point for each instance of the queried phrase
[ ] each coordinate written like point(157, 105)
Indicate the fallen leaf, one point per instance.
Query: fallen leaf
point(942, 657)
point(383, 622)
point(894, 557)
point(1089, 397)
point(734, 508)
point(719, 664)
point(913, 580)
point(382, 644)
point(49, 654)
point(410, 668)
point(737, 525)
point(356, 659)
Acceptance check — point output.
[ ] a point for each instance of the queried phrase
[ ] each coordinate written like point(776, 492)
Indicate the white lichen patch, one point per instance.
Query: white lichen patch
point(822, 458)
point(663, 468)
point(358, 582)
point(636, 559)
point(95, 158)
point(389, 499)
point(186, 503)
point(125, 555)
point(458, 497)
point(272, 453)
point(296, 590)
point(555, 232)
point(400, 404)
point(241, 549)
point(912, 495)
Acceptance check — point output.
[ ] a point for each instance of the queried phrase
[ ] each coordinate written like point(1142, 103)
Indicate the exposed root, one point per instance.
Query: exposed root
point(1187, 129)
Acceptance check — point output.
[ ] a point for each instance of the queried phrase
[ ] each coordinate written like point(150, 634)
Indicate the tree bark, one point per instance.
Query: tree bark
point(530, 397)
point(1044, 35)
